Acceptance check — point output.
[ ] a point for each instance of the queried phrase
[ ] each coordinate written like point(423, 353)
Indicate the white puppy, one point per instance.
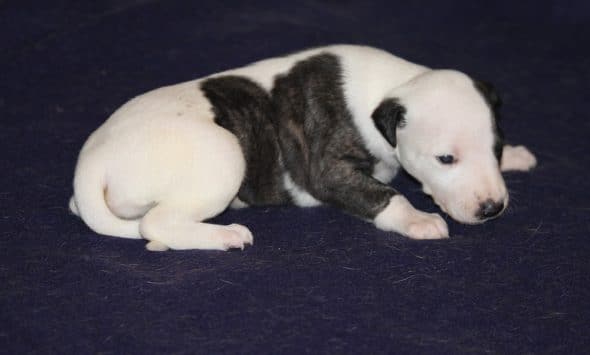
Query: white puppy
point(327, 125)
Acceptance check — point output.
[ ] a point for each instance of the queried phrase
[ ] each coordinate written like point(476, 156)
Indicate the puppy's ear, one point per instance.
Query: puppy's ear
point(491, 96)
point(388, 116)
point(489, 93)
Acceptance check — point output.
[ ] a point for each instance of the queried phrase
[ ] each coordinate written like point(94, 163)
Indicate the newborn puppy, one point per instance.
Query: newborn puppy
point(328, 125)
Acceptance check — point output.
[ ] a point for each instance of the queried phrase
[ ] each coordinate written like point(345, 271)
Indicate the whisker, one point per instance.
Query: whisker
point(514, 195)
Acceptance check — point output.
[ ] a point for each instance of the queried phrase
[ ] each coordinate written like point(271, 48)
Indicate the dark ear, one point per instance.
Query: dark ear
point(388, 116)
point(489, 93)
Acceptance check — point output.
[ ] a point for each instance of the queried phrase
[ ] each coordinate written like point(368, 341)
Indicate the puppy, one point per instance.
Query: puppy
point(330, 125)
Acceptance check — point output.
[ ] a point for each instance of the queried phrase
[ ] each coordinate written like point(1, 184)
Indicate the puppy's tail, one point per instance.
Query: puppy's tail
point(89, 203)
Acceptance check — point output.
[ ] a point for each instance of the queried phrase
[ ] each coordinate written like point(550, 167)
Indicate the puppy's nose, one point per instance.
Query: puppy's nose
point(489, 209)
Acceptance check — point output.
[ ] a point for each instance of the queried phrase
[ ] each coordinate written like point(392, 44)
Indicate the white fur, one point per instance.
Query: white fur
point(299, 196)
point(401, 217)
point(446, 115)
point(160, 160)
point(384, 172)
point(264, 72)
point(369, 75)
point(517, 158)
point(238, 204)
point(159, 165)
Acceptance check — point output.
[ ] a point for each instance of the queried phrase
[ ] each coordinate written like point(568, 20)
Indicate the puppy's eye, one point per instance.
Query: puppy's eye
point(446, 159)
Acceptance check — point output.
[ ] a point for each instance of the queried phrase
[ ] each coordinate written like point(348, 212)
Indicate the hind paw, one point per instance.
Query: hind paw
point(517, 158)
point(238, 237)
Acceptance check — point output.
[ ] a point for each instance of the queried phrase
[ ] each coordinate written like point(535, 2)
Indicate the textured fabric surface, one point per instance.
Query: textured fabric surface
point(315, 280)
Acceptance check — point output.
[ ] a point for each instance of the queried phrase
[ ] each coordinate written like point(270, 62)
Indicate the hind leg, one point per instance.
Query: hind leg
point(205, 183)
point(172, 227)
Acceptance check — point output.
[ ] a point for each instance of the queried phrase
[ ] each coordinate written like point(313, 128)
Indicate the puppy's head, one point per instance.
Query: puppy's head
point(443, 126)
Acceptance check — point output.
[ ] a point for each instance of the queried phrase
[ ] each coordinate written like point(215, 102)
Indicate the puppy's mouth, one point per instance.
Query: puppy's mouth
point(463, 213)
point(444, 208)
point(459, 216)
point(468, 216)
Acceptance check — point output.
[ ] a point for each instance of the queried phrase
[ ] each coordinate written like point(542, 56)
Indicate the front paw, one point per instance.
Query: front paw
point(422, 225)
point(517, 158)
point(401, 217)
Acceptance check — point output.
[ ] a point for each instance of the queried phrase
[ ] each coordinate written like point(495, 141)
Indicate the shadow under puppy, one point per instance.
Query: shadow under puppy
point(328, 125)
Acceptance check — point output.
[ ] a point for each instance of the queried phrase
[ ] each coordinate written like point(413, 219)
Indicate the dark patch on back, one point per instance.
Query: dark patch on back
point(322, 150)
point(494, 102)
point(245, 109)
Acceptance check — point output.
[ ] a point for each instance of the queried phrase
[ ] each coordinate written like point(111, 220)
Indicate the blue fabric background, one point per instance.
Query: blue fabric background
point(316, 280)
